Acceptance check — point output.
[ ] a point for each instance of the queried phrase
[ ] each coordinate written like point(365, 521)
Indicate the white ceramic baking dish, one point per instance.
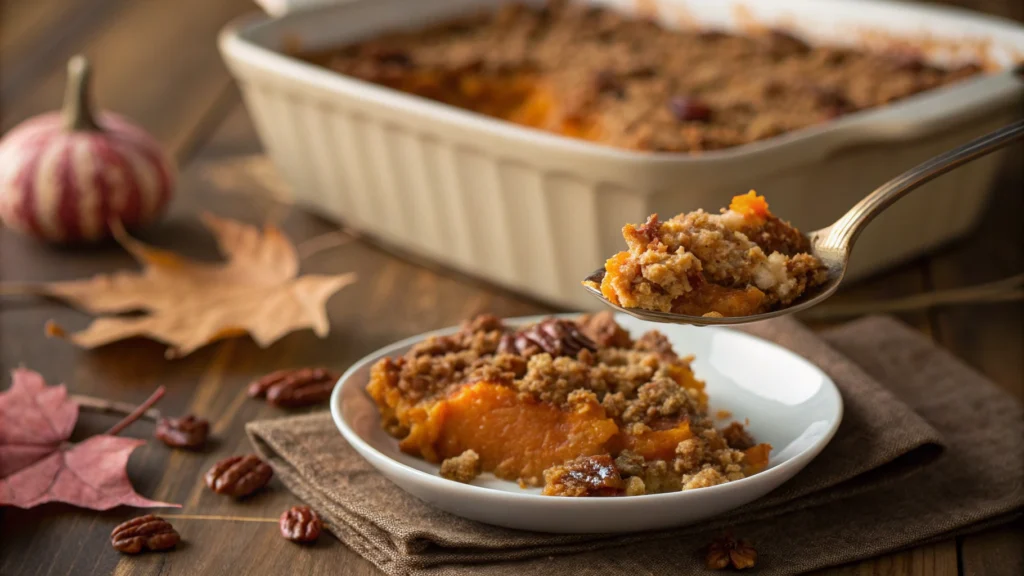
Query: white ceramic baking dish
point(536, 212)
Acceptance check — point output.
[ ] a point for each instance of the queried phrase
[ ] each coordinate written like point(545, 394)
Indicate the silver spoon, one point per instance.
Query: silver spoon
point(833, 244)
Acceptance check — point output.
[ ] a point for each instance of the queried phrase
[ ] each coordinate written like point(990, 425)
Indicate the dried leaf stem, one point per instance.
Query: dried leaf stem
point(112, 407)
point(138, 412)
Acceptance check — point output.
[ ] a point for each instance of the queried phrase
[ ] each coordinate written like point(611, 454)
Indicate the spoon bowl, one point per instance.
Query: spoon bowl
point(832, 245)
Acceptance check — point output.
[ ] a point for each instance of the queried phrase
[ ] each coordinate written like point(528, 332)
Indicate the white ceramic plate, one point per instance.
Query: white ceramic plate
point(790, 403)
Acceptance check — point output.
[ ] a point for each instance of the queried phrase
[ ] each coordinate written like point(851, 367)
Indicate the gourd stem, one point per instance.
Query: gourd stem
point(78, 115)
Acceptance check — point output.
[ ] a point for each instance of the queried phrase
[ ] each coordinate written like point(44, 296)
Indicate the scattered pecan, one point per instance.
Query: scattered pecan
point(296, 387)
point(300, 524)
point(185, 432)
point(726, 551)
point(238, 476)
point(687, 109)
point(555, 336)
point(147, 532)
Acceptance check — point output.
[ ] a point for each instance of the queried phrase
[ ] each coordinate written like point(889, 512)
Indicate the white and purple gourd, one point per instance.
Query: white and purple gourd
point(66, 177)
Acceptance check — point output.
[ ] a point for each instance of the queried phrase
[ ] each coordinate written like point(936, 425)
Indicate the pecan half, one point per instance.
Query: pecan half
point(185, 432)
point(555, 336)
point(726, 551)
point(584, 476)
point(295, 387)
point(147, 532)
point(239, 476)
point(300, 524)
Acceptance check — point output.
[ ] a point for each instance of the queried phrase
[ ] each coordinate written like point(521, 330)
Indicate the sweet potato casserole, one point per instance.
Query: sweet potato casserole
point(741, 262)
point(578, 407)
point(596, 74)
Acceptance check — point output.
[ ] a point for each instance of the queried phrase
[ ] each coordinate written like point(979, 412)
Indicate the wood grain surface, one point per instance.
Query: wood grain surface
point(156, 62)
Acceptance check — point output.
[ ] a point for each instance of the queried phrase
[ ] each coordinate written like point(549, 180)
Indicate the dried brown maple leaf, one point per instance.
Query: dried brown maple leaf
point(256, 291)
point(38, 465)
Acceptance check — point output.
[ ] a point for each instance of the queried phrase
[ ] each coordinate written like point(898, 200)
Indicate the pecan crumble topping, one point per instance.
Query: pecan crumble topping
point(581, 408)
point(596, 74)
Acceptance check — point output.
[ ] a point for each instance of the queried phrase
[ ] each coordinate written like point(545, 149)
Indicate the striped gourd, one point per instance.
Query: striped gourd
point(66, 176)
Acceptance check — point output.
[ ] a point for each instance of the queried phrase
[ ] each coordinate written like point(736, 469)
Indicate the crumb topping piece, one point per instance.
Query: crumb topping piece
point(462, 468)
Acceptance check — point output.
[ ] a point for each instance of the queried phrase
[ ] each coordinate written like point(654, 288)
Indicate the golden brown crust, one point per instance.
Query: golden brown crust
point(599, 75)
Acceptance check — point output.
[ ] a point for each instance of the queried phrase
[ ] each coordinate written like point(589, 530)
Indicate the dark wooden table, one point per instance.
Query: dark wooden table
point(156, 61)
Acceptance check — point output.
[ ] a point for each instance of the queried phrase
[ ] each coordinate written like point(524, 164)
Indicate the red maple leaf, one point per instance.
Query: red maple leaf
point(38, 465)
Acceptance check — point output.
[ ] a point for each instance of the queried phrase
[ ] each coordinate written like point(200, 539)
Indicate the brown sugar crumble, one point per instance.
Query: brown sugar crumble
point(576, 406)
point(592, 73)
point(740, 262)
point(462, 468)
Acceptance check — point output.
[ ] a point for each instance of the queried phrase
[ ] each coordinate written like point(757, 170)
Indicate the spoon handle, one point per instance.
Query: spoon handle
point(841, 235)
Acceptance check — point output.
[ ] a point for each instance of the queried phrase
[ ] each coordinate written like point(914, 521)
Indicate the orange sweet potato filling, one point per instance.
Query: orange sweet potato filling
point(514, 438)
point(517, 97)
point(721, 299)
point(751, 206)
point(518, 439)
point(658, 444)
point(755, 458)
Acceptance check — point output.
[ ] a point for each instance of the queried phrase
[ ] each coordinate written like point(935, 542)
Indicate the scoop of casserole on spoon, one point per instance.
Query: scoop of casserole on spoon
point(746, 265)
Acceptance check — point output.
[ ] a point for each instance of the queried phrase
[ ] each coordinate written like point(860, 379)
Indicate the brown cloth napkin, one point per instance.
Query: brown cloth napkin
point(909, 407)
